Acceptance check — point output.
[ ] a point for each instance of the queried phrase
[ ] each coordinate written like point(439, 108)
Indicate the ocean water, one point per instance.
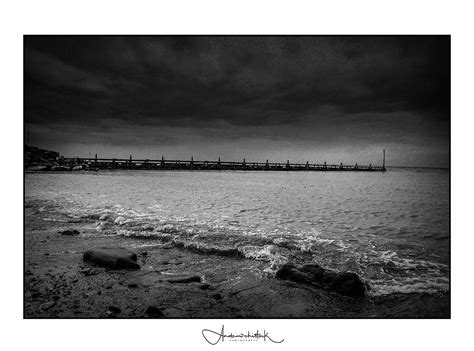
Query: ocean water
point(391, 228)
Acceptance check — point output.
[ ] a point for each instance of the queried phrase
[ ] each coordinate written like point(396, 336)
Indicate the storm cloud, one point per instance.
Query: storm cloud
point(340, 99)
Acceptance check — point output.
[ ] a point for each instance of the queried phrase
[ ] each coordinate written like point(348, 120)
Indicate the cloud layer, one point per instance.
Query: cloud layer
point(286, 96)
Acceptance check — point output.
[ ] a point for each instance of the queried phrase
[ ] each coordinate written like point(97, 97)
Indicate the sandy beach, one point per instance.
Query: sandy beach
point(59, 284)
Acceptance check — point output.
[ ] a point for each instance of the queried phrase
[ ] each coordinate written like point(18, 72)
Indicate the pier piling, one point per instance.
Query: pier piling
point(383, 164)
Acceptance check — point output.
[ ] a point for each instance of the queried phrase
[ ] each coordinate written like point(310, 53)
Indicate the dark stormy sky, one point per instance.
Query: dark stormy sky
point(334, 99)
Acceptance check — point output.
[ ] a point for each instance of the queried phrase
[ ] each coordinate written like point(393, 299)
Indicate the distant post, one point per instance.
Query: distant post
point(130, 159)
point(383, 165)
point(266, 165)
point(95, 159)
point(192, 162)
point(244, 163)
point(162, 161)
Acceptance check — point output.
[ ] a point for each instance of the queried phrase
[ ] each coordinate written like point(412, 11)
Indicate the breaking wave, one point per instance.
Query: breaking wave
point(385, 271)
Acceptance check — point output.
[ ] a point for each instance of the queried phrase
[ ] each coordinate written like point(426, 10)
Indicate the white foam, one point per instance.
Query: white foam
point(54, 220)
point(409, 285)
point(120, 220)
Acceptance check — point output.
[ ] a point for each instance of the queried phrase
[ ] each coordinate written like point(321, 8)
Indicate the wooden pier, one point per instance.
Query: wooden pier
point(164, 164)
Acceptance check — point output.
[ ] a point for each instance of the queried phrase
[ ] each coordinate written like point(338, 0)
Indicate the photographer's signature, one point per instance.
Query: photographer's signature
point(213, 337)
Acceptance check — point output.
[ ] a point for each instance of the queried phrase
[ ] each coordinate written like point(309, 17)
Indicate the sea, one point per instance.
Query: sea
point(391, 228)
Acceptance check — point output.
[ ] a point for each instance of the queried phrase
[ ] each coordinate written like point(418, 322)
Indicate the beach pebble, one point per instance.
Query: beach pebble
point(91, 271)
point(114, 310)
point(46, 306)
point(112, 257)
point(70, 232)
point(35, 295)
point(154, 312)
point(204, 286)
point(216, 296)
point(184, 279)
point(119, 288)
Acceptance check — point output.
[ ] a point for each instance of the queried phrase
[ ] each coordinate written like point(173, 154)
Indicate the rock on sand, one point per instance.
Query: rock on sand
point(71, 232)
point(112, 257)
point(184, 278)
point(346, 283)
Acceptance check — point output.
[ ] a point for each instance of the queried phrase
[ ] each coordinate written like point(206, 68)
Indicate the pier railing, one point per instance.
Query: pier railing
point(164, 164)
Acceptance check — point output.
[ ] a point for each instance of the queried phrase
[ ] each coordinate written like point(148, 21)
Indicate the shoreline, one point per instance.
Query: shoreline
point(59, 284)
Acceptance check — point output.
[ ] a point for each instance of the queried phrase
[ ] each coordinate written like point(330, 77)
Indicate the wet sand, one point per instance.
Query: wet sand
point(59, 284)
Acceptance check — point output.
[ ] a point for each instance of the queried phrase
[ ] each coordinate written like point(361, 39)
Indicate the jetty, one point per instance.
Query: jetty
point(191, 164)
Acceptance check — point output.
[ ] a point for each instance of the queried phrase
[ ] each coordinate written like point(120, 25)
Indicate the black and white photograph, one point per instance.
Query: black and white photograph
point(252, 175)
point(237, 176)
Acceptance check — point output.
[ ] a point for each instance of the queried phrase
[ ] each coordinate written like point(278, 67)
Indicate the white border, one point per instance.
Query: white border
point(238, 17)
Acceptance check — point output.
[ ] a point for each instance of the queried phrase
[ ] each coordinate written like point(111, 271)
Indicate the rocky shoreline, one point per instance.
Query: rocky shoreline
point(40, 160)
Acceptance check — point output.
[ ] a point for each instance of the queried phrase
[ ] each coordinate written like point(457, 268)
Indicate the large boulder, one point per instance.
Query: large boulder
point(346, 283)
point(112, 257)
